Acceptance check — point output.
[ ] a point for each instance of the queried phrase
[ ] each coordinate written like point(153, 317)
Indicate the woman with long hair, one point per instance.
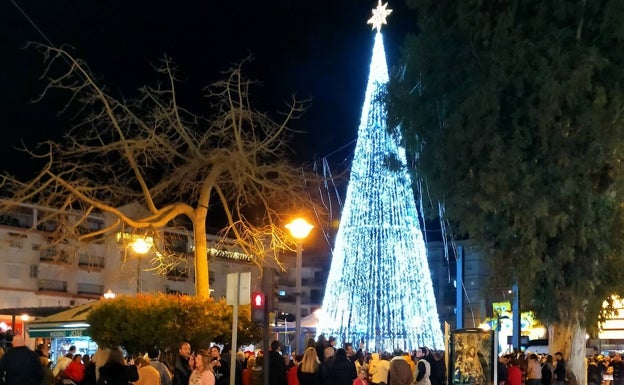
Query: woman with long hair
point(204, 372)
point(533, 371)
point(308, 372)
point(197, 368)
point(116, 372)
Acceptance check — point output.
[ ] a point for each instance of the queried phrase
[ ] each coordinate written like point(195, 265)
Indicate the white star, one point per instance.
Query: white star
point(379, 16)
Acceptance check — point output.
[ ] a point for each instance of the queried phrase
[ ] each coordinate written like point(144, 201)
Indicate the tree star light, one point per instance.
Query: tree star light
point(379, 16)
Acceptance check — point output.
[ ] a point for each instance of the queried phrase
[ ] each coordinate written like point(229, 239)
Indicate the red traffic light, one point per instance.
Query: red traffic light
point(257, 300)
point(258, 314)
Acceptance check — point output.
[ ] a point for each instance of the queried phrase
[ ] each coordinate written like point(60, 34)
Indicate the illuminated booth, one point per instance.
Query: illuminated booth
point(65, 329)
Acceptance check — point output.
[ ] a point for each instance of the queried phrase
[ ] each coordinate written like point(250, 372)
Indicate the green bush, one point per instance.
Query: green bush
point(139, 322)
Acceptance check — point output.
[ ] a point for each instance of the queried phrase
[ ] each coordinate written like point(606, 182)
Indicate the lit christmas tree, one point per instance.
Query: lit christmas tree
point(379, 288)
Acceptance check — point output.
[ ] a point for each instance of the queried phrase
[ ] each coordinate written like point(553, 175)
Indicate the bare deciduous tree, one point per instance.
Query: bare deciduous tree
point(174, 163)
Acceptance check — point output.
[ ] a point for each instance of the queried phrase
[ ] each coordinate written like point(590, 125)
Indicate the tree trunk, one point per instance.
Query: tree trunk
point(569, 339)
point(202, 288)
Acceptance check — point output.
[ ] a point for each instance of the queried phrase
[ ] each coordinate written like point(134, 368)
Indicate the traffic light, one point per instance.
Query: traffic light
point(258, 307)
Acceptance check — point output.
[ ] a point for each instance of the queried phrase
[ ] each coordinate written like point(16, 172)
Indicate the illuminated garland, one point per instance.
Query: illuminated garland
point(379, 288)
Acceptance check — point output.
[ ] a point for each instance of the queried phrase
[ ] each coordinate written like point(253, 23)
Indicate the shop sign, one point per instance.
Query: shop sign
point(57, 333)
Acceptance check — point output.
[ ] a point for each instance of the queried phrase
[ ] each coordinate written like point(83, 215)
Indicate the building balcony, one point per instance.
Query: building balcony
point(53, 255)
point(52, 285)
point(90, 288)
point(91, 262)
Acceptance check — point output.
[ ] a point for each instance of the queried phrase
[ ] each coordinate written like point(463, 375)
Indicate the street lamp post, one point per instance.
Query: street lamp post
point(299, 229)
point(140, 246)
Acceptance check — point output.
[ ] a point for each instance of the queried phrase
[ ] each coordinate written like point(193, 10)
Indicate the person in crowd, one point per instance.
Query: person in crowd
point(560, 369)
point(227, 356)
point(342, 370)
point(241, 364)
point(75, 370)
point(251, 362)
point(501, 369)
point(99, 359)
point(153, 354)
point(148, 375)
point(257, 373)
point(362, 363)
point(602, 365)
point(332, 342)
point(618, 370)
point(378, 369)
point(181, 368)
point(533, 371)
point(410, 361)
point(548, 369)
point(328, 353)
point(434, 364)
point(205, 362)
point(309, 370)
point(321, 344)
point(362, 378)
point(293, 369)
point(514, 373)
point(191, 362)
point(116, 371)
point(438, 370)
point(594, 377)
point(400, 371)
point(89, 370)
point(43, 350)
point(48, 377)
point(522, 362)
point(20, 365)
point(197, 368)
point(221, 368)
point(352, 354)
point(608, 376)
point(277, 366)
point(423, 367)
point(62, 363)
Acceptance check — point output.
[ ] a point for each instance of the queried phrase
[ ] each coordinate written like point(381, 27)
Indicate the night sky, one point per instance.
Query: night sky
point(310, 48)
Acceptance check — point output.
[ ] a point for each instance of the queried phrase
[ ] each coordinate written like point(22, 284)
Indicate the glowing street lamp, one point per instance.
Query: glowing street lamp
point(109, 294)
point(299, 229)
point(141, 246)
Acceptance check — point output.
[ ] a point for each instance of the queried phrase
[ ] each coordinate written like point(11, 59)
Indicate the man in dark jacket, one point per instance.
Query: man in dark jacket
point(181, 368)
point(560, 369)
point(277, 365)
point(20, 365)
point(221, 368)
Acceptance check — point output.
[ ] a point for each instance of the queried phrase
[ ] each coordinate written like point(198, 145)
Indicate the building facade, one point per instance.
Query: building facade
point(38, 272)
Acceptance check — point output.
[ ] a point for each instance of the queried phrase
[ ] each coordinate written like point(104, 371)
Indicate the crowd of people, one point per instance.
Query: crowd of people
point(531, 369)
point(322, 363)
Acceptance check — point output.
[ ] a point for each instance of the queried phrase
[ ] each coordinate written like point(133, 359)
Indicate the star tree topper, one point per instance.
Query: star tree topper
point(379, 16)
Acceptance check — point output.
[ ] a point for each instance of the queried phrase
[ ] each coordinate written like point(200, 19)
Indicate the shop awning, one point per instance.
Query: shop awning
point(68, 323)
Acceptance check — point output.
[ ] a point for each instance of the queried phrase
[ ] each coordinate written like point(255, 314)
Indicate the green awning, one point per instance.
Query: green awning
point(68, 323)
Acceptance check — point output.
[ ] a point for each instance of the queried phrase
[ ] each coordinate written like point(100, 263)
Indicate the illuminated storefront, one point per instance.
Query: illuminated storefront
point(65, 329)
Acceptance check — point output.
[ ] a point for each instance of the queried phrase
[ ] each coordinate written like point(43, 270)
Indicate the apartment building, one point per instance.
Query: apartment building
point(40, 273)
